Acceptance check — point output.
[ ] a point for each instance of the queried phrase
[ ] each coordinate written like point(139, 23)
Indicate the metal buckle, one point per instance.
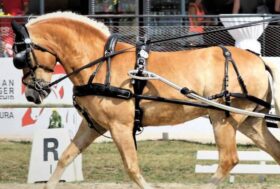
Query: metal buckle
point(144, 54)
point(125, 96)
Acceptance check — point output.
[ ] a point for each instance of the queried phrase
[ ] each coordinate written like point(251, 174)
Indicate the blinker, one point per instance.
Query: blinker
point(21, 51)
point(20, 59)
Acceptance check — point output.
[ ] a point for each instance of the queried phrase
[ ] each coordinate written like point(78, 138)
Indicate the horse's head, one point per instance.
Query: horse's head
point(36, 61)
point(72, 40)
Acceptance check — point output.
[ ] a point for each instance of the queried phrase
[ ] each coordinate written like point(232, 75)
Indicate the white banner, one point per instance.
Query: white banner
point(20, 123)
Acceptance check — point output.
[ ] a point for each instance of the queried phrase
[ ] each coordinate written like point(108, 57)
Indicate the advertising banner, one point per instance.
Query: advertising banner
point(20, 123)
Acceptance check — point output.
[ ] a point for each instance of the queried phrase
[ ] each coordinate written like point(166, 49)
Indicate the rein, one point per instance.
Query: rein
point(106, 56)
point(253, 23)
point(101, 59)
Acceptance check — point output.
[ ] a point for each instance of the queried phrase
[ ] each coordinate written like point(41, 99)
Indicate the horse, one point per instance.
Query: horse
point(74, 41)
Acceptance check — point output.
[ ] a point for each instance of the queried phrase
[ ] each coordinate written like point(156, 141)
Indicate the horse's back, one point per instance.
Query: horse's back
point(203, 69)
point(250, 66)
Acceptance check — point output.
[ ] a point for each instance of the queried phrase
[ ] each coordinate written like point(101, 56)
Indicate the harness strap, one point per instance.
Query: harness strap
point(99, 89)
point(252, 99)
point(227, 55)
point(100, 130)
point(109, 48)
point(96, 61)
point(108, 51)
point(226, 94)
point(92, 76)
point(142, 51)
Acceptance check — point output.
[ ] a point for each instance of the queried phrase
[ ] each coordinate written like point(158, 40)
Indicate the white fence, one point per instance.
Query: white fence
point(263, 167)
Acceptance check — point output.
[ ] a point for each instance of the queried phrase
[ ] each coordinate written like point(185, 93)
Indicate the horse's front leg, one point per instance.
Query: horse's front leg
point(122, 136)
point(81, 141)
point(225, 137)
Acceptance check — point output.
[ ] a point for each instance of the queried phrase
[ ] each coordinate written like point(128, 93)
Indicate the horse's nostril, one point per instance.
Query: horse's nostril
point(33, 96)
point(30, 98)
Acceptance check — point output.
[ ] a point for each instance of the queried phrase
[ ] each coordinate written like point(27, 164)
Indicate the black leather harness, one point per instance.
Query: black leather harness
point(142, 50)
point(226, 94)
point(107, 90)
point(99, 89)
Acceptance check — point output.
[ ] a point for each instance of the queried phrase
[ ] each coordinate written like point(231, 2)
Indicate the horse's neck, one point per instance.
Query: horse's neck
point(80, 55)
point(78, 50)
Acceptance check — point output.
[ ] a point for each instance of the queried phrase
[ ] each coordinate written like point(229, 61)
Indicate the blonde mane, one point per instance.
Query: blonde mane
point(72, 16)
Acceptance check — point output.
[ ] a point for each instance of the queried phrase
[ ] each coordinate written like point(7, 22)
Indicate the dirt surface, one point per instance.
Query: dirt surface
point(131, 186)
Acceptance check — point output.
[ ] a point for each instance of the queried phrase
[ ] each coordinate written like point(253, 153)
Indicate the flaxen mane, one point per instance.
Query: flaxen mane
point(72, 16)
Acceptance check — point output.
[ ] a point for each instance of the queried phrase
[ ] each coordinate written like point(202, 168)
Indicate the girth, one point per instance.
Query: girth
point(99, 89)
point(91, 123)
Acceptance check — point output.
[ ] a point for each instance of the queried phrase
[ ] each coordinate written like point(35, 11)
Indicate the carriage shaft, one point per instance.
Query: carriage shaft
point(190, 94)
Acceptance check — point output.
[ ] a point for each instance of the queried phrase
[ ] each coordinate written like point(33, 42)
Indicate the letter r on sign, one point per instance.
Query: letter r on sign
point(50, 146)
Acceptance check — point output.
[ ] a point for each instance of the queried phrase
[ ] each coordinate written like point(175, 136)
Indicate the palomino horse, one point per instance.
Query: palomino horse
point(75, 40)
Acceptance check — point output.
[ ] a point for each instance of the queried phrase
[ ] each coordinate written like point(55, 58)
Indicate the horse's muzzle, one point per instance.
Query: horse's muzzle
point(33, 96)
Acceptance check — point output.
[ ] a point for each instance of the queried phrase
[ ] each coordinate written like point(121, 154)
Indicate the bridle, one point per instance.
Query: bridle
point(23, 48)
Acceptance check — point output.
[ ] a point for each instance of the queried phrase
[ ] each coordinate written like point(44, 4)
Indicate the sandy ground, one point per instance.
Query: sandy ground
point(131, 186)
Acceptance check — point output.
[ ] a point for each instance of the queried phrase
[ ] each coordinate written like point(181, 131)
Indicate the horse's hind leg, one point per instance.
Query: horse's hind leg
point(122, 136)
point(225, 132)
point(82, 140)
point(257, 130)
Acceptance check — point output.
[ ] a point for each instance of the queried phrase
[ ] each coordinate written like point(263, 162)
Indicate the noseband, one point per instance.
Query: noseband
point(22, 48)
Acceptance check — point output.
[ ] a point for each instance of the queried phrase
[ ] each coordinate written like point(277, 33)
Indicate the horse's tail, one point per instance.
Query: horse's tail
point(274, 70)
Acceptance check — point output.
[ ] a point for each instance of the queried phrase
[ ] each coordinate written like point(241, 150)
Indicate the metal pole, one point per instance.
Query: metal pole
point(183, 10)
point(148, 20)
point(137, 12)
point(152, 76)
point(183, 4)
point(42, 6)
point(91, 6)
point(137, 18)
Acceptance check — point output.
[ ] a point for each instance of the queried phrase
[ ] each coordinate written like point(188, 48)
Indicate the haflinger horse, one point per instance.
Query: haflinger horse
point(74, 41)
